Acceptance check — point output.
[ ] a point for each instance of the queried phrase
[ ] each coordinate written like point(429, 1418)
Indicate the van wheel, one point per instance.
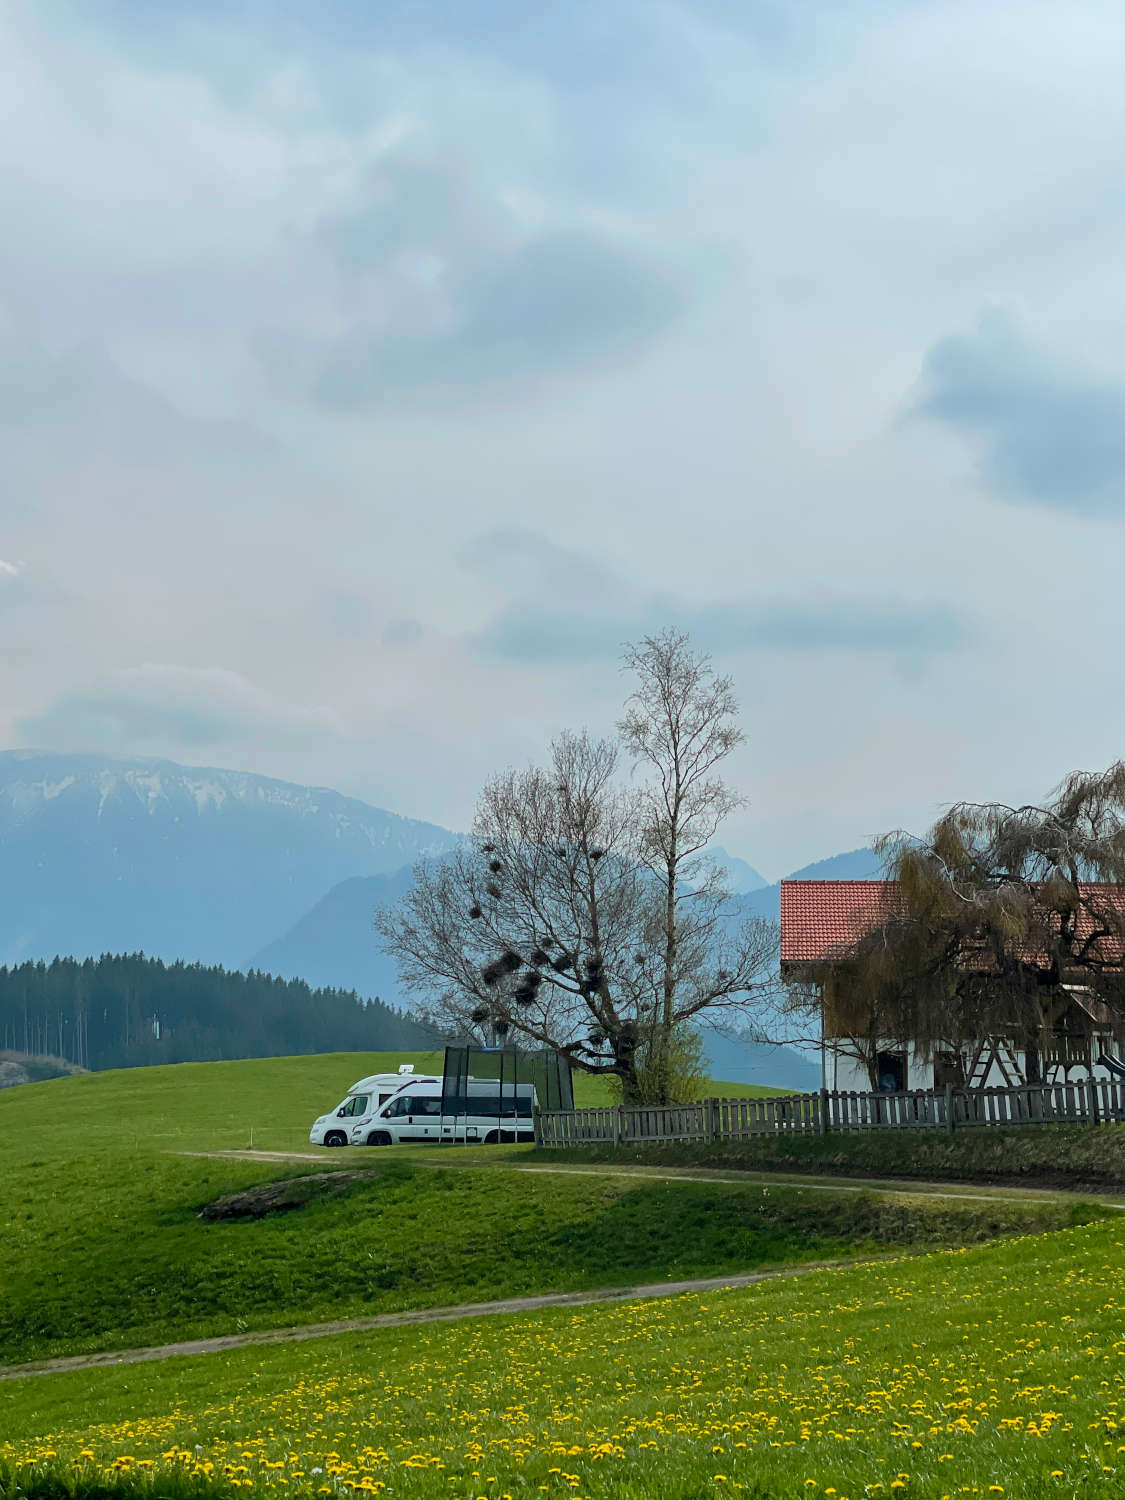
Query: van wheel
point(378, 1138)
point(492, 1138)
point(335, 1138)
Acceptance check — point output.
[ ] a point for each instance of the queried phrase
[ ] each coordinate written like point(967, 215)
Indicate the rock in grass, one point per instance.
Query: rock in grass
point(283, 1197)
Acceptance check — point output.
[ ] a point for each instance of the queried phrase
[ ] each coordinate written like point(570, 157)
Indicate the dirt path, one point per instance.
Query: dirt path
point(405, 1319)
point(897, 1187)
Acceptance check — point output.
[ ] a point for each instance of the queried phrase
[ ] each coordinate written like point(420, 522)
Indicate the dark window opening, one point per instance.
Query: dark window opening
point(890, 1069)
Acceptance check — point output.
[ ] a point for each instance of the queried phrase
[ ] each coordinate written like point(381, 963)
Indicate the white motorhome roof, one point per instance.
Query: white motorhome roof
point(394, 1081)
point(475, 1086)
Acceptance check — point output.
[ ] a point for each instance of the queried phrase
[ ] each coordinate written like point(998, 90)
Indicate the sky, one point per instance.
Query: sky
point(371, 374)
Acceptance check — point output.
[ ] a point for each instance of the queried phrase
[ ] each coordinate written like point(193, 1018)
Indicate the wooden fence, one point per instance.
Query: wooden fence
point(1087, 1101)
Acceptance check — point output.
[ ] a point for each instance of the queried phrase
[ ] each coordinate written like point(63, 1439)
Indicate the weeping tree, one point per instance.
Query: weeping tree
point(995, 920)
point(553, 924)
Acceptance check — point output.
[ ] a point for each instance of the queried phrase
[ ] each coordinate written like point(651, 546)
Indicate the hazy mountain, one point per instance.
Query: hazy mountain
point(100, 855)
point(741, 877)
point(336, 939)
point(856, 864)
point(737, 1060)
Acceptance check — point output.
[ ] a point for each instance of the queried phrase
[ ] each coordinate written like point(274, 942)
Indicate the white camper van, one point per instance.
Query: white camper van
point(350, 1121)
point(412, 1112)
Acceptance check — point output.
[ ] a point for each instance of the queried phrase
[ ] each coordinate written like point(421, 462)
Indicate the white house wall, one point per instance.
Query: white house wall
point(847, 1074)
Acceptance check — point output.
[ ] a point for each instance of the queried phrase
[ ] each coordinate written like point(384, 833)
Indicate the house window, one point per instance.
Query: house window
point(890, 1069)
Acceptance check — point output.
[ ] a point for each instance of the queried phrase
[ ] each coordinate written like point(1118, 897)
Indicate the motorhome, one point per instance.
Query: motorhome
point(345, 1124)
point(416, 1111)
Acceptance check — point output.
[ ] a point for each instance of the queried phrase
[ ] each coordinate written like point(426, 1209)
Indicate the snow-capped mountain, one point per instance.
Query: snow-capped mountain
point(101, 855)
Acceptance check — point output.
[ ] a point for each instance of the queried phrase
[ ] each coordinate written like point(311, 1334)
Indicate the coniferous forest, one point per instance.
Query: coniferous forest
point(126, 1010)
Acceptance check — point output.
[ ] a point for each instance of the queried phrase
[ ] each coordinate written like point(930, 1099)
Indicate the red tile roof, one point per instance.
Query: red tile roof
point(824, 919)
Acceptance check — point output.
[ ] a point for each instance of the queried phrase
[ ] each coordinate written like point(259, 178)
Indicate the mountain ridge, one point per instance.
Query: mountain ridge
point(99, 853)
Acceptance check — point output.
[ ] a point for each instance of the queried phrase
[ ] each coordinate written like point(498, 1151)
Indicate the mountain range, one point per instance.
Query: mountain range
point(101, 855)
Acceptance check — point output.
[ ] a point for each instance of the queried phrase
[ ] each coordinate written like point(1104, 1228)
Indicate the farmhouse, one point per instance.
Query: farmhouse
point(822, 924)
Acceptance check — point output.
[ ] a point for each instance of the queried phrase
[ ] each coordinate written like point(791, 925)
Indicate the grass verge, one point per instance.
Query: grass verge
point(1049, 1156)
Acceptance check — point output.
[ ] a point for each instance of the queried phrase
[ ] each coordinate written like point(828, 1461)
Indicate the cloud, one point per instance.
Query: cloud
point(536, 637)
point(159, 708)
point(594, 611)
point(24, 590)
point(1046, 435)
point(523, 562)
point(398, 633)
point(563, 299)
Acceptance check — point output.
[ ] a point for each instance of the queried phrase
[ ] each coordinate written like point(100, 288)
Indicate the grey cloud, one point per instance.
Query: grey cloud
point(534, 636)
point(398, 633)
point(81, 391)
point(563, 299)
point(1047, 435)
point(161, 708)
point(24, 588)
point(521, 561)
point(603, 609)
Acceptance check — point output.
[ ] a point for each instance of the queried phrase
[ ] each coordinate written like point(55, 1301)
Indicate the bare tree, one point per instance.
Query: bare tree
point(543, 924)
point(679, 725)
point(554, 921)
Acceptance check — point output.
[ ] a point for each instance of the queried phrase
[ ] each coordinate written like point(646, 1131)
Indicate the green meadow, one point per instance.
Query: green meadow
point(104, 1247)
point(956, 1346)
point(994, 1371)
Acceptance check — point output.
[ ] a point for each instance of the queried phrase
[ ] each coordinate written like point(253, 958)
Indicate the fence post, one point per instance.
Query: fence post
point(1092, 1089)
point(618, 1123)
point(948, 1108)
point(537, 1127)
point(708, 1119)
point(823, 1122)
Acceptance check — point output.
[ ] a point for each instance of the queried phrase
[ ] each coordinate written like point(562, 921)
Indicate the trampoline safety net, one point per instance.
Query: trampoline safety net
point(505, 1083)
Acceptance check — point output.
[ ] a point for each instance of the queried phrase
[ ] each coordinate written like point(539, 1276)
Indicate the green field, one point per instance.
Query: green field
point(995, 1371)
point(104, 1248)
point(999, 1366)
point(268, 1103)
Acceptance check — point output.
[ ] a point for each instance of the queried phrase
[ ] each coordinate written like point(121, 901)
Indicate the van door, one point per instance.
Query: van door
point(415, 1117)
point(358, 1115)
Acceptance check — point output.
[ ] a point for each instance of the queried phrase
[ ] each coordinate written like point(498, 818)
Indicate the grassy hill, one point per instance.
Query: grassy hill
point(991, 1372)
point(211, 1106)
point(104, 1248)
